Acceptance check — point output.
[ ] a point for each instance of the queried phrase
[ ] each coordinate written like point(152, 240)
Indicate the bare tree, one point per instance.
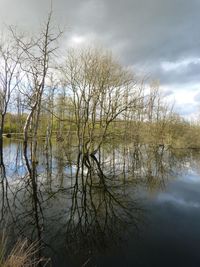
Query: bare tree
point(37, 56)
point(100, 90)
point(10, 56)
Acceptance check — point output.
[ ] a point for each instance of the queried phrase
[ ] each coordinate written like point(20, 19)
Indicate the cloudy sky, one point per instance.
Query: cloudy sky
point(160, 38)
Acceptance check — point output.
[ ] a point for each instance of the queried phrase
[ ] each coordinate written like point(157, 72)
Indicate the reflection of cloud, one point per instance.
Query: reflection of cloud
point(193, 177)
point(166, 197)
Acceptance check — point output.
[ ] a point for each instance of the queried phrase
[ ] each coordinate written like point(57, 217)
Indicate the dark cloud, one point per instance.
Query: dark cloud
point(182, 74)
point(144, 33)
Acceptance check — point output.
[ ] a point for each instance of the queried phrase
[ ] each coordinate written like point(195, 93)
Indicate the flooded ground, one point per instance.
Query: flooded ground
point(125, 205)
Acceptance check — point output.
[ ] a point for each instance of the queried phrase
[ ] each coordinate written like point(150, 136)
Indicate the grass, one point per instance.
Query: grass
point(23, 254)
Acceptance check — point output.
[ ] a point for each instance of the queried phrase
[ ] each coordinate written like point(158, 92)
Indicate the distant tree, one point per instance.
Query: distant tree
point(158, 113)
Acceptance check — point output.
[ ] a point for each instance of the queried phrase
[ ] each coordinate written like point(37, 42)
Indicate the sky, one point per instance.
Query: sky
point(160, 38)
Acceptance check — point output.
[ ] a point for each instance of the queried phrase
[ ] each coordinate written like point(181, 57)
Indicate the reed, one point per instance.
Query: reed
point(23, 254)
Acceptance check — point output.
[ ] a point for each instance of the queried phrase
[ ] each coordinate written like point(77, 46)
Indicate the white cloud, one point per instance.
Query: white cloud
point(77, 39)
point(179, 65)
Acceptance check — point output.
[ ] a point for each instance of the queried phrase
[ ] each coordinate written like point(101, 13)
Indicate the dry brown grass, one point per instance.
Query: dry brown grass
point(23, 254)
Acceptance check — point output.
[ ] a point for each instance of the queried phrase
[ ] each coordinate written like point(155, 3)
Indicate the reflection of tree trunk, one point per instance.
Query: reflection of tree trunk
point(100, 171)
point(35, 201)
point(4, 190)
point(1, 138)
point(49, 158)
point(2, 166)
point(99, 212)
point(1, 150)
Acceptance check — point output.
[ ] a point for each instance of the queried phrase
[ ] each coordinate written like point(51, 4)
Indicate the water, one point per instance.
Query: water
point(127, 205)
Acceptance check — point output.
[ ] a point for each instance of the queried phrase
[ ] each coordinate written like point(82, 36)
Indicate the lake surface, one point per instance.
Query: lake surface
point(127, 205)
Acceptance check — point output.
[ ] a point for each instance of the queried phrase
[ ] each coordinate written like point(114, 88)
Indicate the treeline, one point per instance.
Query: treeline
point(175, 132)
point(84, 94)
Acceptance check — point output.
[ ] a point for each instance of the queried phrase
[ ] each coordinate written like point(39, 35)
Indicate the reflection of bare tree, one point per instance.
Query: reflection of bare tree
point(84, 201)
point(20, 203)
point(103, 197)
point(4, 185)
point(36, 205)
point(4, 191)
point(100, 212)
point(151, 165)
